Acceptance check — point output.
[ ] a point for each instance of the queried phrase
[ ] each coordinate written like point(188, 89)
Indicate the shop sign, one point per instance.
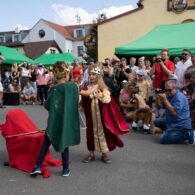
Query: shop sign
point(179, 6)
point(90, 41)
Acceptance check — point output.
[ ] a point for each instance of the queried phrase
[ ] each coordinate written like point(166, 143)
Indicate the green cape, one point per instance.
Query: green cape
point(63, 126)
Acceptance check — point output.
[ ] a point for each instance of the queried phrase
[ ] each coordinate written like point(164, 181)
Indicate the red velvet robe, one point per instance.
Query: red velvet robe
point(113, 123)
point(23, 150)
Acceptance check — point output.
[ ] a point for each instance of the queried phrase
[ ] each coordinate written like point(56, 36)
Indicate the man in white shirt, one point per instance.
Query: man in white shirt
point(132, 65)
point(182, 65)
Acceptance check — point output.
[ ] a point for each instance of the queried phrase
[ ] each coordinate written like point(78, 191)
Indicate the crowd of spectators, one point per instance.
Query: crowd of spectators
point(155, 94)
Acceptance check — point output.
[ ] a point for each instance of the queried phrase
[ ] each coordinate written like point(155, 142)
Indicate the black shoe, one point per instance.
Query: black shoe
point(6, 164)
point(134, 128)
point(2, 106)
point(146, 131)
point(36, 171)
point(65, 172)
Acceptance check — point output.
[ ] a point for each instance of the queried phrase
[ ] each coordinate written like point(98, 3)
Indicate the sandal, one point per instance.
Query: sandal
point(89, 158)
point(105, 159)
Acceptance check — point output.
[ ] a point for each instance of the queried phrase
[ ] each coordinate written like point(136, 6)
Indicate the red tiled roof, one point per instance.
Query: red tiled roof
point(60, 29)
point(68, 31)
point(71, 28)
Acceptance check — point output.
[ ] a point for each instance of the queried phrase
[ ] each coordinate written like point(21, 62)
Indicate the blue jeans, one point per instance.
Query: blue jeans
point(43, 152)
point(173, 136)
point(160, 123)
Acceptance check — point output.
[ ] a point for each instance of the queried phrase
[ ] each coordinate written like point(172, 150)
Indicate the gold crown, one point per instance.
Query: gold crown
point(60, 72)
point(96, 70)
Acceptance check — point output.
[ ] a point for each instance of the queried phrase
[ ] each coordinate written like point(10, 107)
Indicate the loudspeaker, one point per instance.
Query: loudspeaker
point(12, 99)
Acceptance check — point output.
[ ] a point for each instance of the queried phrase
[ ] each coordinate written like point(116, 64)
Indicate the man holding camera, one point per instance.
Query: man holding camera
point(177, 123)
point(162, 68)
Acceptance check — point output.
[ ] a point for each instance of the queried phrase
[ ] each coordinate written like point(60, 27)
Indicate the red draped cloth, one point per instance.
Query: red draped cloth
point(24, 141)
point(113, 123)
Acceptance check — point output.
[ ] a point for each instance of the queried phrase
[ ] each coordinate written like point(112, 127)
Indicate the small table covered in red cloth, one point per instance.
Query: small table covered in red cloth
point(23, 141)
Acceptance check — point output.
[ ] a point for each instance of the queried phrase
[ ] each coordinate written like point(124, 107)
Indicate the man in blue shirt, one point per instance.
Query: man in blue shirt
point(177, 122)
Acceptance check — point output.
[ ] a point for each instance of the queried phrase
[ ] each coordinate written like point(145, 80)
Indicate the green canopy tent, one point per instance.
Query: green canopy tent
point(174, 37)
point(13, 55)
point(51, 59)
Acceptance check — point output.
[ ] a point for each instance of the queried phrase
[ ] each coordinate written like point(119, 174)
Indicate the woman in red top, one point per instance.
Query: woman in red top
point(77, 72)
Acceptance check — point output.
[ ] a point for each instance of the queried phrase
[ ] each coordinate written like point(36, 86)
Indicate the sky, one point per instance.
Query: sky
point(26, 14)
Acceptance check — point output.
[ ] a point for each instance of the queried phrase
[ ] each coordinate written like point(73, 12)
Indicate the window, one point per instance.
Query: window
point(79, 33)
point(16, 38)
point(41, 33)
point(52, 51)
point(2, 40)
point(80, 50)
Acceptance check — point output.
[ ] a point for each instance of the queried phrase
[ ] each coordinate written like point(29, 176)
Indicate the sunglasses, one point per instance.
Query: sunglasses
point(193, 60)
point(185, 54)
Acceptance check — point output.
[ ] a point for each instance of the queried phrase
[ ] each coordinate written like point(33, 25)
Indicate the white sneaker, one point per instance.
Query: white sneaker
point(146, 127)
point(134, 124)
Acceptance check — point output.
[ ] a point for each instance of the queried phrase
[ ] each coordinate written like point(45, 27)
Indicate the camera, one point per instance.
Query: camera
point(159, 59)
point(159, 91)
point(105, 63)
point(128, 70)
